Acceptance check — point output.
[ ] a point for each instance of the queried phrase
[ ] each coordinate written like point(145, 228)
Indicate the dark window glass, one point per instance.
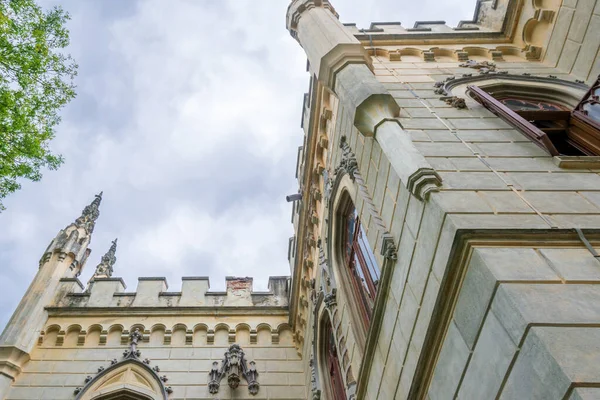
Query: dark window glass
point(332, 364)
point(363, 269)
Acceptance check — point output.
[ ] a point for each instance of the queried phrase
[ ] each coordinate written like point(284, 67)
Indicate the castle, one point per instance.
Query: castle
point(447, 228)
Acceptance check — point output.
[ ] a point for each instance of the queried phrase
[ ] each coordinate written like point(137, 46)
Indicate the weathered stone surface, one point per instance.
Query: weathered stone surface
point(489, 267)
point(518, 305)
point(550, 359)
point(490, 360)
point(450, 366)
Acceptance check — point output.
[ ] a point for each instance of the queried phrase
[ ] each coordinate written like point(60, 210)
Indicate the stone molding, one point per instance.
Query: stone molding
point(365, 98)
point(445, 87)
point(464, 242)
point(130, 356)
point(411, 166)
point(12, 360)
point(349, 164)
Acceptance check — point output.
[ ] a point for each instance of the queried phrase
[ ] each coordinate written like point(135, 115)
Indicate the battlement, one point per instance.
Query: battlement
point(153, 292)
point(491, 18)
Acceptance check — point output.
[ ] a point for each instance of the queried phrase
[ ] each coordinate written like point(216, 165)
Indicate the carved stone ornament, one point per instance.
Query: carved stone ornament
point(314, 386)
point(388, 248)
point(90, 214)
point(454, 101)
point(234, 366)
point(483, 66)
point(132, 354)
point(348, 163)
point(446, 86)
point(330, 298)
point(105, 268)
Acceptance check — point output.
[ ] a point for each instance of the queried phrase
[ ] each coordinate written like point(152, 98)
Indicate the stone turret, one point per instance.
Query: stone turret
point(61, 263)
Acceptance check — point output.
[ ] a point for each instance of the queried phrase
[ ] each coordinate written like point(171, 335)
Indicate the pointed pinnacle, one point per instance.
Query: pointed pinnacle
point(90, 214)
point(109, 258)
point(105, 268)
point(97, 199)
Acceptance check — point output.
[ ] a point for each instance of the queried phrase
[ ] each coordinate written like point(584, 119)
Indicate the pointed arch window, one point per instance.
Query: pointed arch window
point(557, 129)
point(332, 370)
point(360, 262)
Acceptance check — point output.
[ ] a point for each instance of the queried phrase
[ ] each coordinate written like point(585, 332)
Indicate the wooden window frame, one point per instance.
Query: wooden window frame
point(582, 132)
point(331, 362)
point(353, 255)
point(531, 131)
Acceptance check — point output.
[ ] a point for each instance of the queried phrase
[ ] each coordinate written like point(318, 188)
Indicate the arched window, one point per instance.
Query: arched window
point(360, 263)
point(558, 129)
point(331, 363)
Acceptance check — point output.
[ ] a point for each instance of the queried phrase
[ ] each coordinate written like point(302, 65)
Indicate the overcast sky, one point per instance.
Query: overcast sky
point(187, 116)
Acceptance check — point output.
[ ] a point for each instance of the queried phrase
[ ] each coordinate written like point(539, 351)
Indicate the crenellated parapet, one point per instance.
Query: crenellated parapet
point(152, 292)
point(492, 20)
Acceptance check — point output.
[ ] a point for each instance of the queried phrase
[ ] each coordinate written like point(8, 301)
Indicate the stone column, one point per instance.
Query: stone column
point(341, 63)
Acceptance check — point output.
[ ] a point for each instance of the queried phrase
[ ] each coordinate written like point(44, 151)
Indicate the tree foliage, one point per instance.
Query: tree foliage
point(36, 81)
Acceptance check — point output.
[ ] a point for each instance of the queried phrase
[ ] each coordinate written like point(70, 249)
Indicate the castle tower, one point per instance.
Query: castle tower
point(60, 264)
point(448, 218)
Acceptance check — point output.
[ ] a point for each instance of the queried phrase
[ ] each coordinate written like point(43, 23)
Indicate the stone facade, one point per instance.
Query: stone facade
point(486, 244)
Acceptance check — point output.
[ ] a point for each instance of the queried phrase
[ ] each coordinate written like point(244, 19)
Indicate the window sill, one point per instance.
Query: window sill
point(577, 162)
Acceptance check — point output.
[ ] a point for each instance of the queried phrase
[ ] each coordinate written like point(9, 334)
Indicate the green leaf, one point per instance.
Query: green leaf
point(36, 81)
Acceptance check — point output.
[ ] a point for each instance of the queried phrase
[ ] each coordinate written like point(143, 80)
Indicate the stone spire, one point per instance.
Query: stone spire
point(105, 268)
point(89, 215)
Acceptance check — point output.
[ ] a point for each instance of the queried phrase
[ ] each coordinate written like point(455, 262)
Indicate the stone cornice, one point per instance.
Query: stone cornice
point(165, 311)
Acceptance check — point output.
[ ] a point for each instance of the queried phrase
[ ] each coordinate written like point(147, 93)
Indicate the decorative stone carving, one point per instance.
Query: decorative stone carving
point(132, 354)
point(326, 186)
point(105, 268)
point(90, 214)
point(388, 247)
point(428, 56)
point(496, 55)
point(462, 56)
point(454, 101)
point(314, 388)
point(482, 66)
point(330, 299)
point(234, 366)
point(445, 87)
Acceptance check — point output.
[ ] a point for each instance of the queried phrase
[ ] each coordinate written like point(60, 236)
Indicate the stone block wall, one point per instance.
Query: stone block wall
point(525, 326)
point(182, 344)
point(493, 178)
point(573, 45)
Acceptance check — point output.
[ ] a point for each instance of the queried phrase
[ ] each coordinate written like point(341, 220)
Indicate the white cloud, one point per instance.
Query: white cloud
point(187, 116)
